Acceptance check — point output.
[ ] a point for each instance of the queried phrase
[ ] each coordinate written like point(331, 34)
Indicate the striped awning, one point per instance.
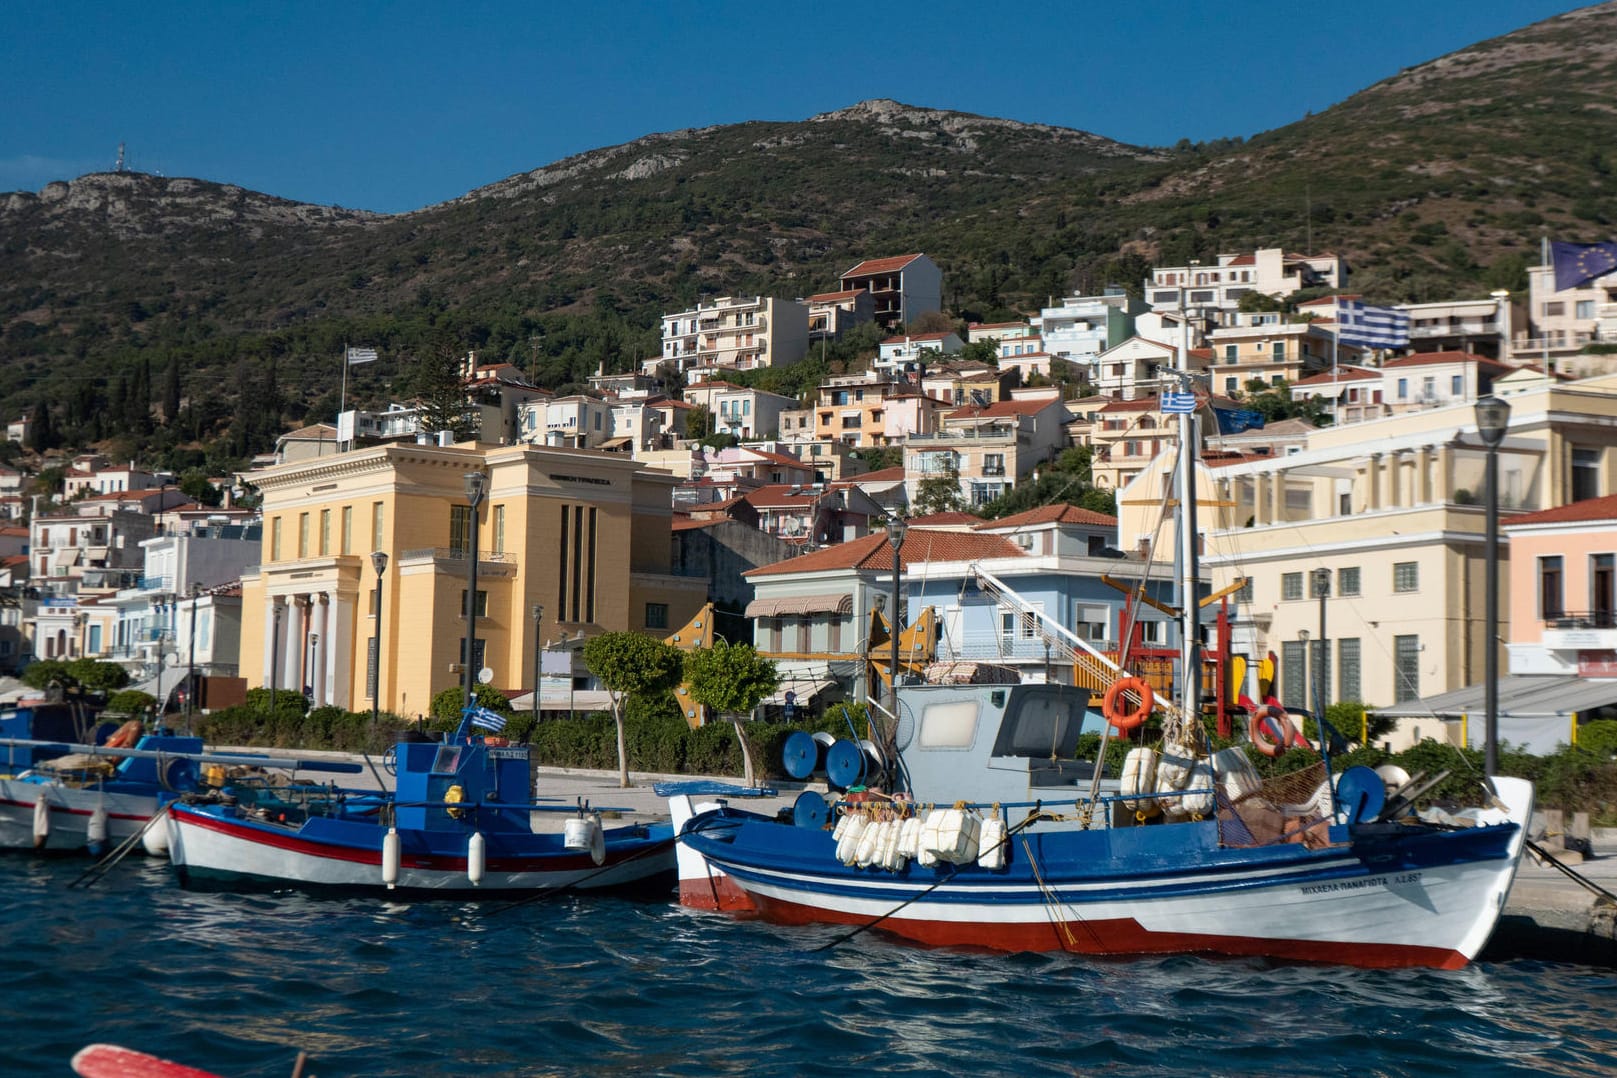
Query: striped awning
point(798, 605)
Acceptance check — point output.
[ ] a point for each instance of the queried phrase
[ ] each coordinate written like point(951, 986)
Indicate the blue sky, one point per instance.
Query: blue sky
point(393, 106)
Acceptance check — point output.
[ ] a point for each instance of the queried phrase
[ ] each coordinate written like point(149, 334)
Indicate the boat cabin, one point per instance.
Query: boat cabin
point(451, 785)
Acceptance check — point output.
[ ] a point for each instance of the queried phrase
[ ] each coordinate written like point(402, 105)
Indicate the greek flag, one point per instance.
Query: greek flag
point(356, 356)
point(484, 719)
point(1370, 327)
point(1179, 404)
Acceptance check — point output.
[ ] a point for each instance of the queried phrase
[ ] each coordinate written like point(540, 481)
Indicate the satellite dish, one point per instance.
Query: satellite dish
point(793, 526)
point(485, 676)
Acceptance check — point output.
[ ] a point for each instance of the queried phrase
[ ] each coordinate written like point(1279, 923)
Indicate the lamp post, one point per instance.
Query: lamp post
point(476, 485)
point(895, 538)
point(191, 658)
point(379, 563)
point(538, 616)
point(1322, 687)
point(1493, 416)
point(277, 609)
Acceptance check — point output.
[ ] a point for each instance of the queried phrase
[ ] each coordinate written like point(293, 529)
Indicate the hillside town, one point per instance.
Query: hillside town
point(1348, 547)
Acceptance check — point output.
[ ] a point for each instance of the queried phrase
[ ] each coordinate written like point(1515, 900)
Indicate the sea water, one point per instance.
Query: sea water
point(238, 984)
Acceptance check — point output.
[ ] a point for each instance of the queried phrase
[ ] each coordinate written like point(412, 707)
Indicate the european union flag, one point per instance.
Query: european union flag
point(1235, 420)
point(1576, 263)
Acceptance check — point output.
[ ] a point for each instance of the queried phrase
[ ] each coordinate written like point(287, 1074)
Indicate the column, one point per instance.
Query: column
point(1442, 474)
point(320, 639)
point(1277, 490)
point(330, 652)
point(1421, 494)
point(270, 603)
point(1389, 479)
point(344, 647)
point(1372, 482)
point(1260, 499)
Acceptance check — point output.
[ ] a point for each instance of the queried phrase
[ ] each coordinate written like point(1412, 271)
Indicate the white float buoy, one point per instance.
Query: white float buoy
point(390, 858)
point(42, 821)
point(474, 858)
point(154, 836)
point(95, 832)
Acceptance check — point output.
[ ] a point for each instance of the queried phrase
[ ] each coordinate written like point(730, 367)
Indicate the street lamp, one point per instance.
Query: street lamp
point(476, 486)
point(379, 563)
point(191, 658)
point(1302, 635)
point(1493, 416)
point(538, 616)
point(895, 538)
point(277, 609)
point(1322, 686)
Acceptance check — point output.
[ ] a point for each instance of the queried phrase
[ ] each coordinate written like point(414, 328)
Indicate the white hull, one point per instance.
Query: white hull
point(70, 812)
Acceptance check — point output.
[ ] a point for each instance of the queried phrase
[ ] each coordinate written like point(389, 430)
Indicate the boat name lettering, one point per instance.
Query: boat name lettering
point(1399, 880)
point(498, 753)
point(581, 479)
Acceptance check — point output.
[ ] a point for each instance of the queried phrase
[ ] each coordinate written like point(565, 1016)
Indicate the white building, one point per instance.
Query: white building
point(736, 334)
point(1270, 271)
point(1082, 327)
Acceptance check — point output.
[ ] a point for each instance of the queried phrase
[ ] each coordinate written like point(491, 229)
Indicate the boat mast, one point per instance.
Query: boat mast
point(1190, 643)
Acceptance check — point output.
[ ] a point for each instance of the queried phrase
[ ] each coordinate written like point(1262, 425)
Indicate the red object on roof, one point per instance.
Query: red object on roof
point(921, 545)
point(872, 266)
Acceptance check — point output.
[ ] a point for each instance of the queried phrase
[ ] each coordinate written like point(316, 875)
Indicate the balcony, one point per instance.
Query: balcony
point(1588, 630)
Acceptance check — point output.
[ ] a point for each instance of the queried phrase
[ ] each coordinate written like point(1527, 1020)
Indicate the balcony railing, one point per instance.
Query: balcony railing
point(1595, 619)
point(445, 553)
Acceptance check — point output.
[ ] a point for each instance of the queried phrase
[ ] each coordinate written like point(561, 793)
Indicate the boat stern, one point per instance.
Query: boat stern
point(702, 886)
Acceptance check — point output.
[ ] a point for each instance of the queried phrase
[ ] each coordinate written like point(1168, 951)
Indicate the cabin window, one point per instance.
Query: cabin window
point(1043, 725)
point(951, 725)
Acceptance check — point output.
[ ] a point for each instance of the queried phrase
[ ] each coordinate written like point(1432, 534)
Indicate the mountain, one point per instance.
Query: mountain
point(1438, 181)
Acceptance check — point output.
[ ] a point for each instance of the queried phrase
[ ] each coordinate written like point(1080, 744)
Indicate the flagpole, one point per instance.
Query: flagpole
point(342, 398)
point(1549, 277)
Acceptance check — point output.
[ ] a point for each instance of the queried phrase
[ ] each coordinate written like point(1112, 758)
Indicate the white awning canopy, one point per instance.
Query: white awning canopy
point(805, 690)
point(795, 605)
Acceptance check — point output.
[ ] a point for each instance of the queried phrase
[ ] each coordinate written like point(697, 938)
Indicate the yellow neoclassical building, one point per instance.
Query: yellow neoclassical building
point(585, 535)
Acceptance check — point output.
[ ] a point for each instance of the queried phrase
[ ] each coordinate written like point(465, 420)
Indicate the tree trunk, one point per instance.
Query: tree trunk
point(623, 745)
point(746, 753)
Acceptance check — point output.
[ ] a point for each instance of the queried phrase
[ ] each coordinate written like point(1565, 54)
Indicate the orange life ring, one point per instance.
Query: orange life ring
point(1111, 707)
point(1271, 731)
point(126, 735)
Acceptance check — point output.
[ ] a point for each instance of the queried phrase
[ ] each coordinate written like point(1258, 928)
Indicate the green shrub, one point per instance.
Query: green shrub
point(131, 702)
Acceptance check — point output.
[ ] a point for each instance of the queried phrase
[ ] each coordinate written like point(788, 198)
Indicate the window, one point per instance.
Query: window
point(482, 603)
point(499, 529)
point(1244, 595)
point(376, 525)
point(477, 653)
point(993, 464)
point(1456, 386)
point(1549, 587)
point(1293, 673)
point(1403, 389)
point(1554, 309)
point(303, 535)
point(656, 615)
point(1406, 668)
point(275, 539)
point(1291, 586)
point(460, 529)
point(1585, 474)
point(1584, 309)
point(804, 625)
point(1231, 353)
point(347, 529)
point(325, 531)
point(1602, 600)
point(1347, 662)
point(834, 626)
point(1232, 386)
point(1406, 576)
point(1279, 350)
point(1347, 583)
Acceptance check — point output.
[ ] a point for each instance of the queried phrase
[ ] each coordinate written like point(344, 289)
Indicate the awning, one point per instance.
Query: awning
point(1521, 695)
point(62, 557)
point(622, 442)
point(789, 605)
point(1536, 712)
point(805, 691)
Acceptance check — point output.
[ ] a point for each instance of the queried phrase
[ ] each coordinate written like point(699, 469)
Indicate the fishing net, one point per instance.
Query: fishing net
point(1294, 807)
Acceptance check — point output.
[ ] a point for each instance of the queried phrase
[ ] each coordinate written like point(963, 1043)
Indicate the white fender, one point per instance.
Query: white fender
point(848, 844)
point(993, 844)
point(597, 840)
point(870, 843)
point(42, 821)
point(475, 858)
point(390, 858)
point(1139, 778)
point(154, 836)
point(95, 832)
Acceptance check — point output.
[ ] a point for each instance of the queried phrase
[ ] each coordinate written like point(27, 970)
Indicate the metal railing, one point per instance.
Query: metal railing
point(1589, 619)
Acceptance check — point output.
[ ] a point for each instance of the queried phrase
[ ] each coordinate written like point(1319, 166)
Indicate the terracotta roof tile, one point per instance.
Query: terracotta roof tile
point(880, 265)
point(945, 519)
point(1427, 359)
point(1052, 514)
point(871, 552)
point(1588, 510)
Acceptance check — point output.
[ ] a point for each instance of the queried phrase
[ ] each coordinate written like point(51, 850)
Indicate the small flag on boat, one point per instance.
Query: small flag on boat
point(356, 356)
point(484, 719)
point(1359, 324)
point(1579, 263)
point(1179, 404)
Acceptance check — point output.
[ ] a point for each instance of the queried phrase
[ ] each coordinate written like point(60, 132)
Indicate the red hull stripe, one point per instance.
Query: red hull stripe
point(1117, 936)
point(715, 893)
point(86, 813)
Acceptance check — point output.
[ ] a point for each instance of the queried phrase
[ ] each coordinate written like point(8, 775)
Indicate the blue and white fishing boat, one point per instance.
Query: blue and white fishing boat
point(461, 819)
point(978, 827)
point(84, 796)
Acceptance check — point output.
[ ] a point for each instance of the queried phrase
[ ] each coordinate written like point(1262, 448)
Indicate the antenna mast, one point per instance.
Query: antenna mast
point(119, 167)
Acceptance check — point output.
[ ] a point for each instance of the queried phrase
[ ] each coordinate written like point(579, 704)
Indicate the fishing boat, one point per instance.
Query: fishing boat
point(968, 821)
point(90, 797)
point(461, 819)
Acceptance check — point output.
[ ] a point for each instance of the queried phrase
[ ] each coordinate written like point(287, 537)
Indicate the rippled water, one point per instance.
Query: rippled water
point(238, 984)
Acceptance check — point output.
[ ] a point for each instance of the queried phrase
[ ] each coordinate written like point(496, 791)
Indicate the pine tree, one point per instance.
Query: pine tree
point(171, 391)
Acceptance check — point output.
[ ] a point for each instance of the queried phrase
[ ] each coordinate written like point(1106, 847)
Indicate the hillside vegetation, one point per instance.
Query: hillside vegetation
point(1439, 181)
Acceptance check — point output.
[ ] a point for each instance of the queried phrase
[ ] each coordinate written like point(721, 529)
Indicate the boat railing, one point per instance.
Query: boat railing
point(1096, 812)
